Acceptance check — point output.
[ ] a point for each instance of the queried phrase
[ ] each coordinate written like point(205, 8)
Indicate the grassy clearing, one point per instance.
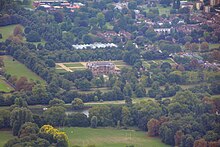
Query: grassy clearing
point(30, 4)
point(6, 31)
point(4, 87)
point(15, 68)
point(109, 137)
point(74, 65)
point(109, 26)
point(164, 10)
point(5, 136)
point(211, 46)
point(215, 96)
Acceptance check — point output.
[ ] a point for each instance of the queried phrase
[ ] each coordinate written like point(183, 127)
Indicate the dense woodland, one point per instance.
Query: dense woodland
point(178, 116)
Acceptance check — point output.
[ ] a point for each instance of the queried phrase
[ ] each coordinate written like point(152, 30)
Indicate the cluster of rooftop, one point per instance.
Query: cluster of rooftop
point(51, 5)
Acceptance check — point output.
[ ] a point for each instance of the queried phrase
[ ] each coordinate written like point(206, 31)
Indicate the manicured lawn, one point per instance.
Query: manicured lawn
point(4, 87)
point(121, 64)
point(77, 64)
point(18, 69)
point(6, 31)
point(110, 137)
point(4, 137)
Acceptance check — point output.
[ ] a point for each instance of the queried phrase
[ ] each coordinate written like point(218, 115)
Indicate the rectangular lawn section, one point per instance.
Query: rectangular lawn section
point(4, 137)
point(15, 68)
point(4, 86)
point(110, 137)
point(77, 64)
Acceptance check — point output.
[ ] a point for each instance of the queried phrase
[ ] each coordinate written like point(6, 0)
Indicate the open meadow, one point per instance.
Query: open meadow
point(6, 31)
point(101, 137)
point(15, 68)
point(110, 137)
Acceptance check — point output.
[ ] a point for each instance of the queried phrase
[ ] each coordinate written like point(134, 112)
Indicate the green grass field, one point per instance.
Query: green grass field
point(162, 10)
point(4, 137)
point(4, 87)
point(109, 137)
point(77, 64)
point(6, 31)
point(101, 137)
point(18, 69)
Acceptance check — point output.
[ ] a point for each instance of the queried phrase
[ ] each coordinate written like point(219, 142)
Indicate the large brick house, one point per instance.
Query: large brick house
point(102, 67)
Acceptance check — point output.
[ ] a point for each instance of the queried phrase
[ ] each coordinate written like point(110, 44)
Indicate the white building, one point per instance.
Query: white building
point(163, 30)
point(94, 46)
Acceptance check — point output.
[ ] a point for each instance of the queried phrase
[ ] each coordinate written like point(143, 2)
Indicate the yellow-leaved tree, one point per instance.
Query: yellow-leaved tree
point(53, 135)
